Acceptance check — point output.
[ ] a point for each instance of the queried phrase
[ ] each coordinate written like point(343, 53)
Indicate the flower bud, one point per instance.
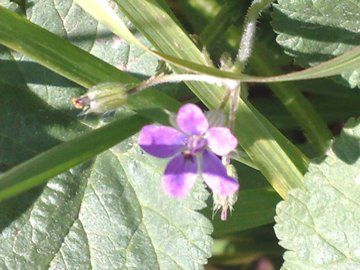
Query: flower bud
point(102, 98)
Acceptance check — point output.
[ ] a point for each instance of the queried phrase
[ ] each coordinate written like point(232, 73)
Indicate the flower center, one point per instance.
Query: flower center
point(195, 144)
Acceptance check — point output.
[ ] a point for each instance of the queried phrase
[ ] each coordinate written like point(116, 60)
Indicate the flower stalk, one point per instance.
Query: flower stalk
point(247, 38)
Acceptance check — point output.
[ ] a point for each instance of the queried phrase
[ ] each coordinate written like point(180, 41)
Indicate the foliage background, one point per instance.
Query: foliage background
point(110, 212)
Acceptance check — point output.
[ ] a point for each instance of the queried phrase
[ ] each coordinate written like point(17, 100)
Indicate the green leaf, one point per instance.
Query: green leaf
point(105, 218)
point(110, 212)
point(315, 31)
point(319, 224)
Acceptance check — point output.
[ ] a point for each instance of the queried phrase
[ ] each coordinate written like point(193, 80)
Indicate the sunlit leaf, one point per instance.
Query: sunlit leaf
point(316, 31)
point(319, 224)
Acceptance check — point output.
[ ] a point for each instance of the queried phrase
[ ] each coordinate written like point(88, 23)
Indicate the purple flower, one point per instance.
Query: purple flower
point(193, 146)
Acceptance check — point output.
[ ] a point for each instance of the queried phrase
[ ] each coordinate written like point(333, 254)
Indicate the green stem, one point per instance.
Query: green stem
point(247, 38)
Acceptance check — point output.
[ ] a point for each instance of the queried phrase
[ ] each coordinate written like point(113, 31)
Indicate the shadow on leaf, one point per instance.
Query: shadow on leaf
point(347, 146)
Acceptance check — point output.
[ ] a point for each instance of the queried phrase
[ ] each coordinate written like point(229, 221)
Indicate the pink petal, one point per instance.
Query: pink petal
point(180, 175)
point(220, 140)
point(215, 175)
point(161, 141)
point(192, 120)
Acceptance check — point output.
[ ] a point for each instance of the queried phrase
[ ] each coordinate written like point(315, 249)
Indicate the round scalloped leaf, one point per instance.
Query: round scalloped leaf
point(319, 224)
point(314, 31)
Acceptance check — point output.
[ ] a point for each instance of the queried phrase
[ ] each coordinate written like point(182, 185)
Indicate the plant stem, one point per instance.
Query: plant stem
point(175, 78)
point(247, 38)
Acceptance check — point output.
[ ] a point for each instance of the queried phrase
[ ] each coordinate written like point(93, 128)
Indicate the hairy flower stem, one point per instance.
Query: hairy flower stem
point(176, 78)
point(244, 53)
point(234, 105)
point(224, 100)
point(247, 39)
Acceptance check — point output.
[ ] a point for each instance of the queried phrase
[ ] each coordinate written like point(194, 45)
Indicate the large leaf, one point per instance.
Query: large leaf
point(98, 217)
point(109, 213)
point(319, 224)
point(315, 31)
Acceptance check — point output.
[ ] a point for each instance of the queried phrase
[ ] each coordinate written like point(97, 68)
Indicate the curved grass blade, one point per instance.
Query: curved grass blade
point(9, 34)
point(66, 155)
point(103, 13)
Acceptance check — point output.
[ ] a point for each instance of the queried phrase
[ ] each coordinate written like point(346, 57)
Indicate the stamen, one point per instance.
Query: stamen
point(196, 144)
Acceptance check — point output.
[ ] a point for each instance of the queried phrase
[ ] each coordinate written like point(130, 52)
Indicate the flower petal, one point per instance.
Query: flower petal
point(180, 175)
point(215, 175)
point(220, 140)
point(161, 141)
point(192, 120)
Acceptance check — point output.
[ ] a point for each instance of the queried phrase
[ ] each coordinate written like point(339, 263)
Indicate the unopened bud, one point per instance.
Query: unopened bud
point(102, 98)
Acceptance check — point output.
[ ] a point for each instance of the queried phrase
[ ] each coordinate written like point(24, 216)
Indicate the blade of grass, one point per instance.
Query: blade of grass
point(332, 110)
point(61, 158)
point(9, 34)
